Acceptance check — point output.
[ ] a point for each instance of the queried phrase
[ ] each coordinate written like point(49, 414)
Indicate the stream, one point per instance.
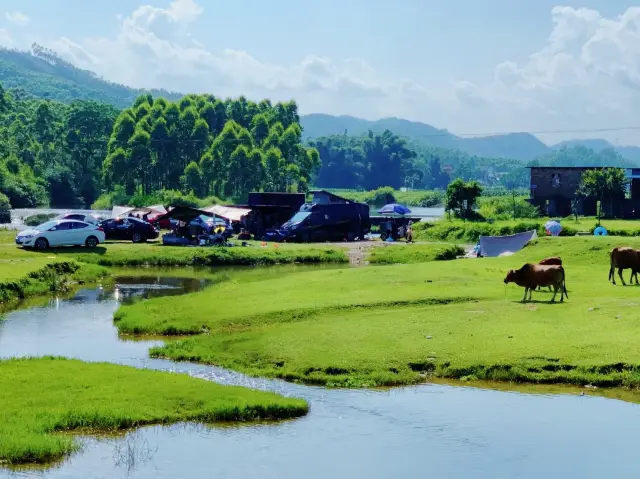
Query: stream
point(432, 430)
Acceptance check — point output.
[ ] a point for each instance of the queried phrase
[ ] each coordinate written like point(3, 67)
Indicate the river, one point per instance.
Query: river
point(425, 431)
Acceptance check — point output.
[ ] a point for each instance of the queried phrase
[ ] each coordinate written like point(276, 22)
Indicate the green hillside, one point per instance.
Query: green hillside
point(43, 74)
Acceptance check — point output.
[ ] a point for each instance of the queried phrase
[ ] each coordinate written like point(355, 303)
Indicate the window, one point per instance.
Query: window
point(77, 225)
point(62, 226)
point(555, 180)
point(75, 217)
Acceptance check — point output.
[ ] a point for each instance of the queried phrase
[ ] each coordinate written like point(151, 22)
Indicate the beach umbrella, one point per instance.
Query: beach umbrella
point(600, 231)
point(394, 208)
point(553, 228)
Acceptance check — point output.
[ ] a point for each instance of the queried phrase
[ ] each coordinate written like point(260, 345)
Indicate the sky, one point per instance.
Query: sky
point(468, 66)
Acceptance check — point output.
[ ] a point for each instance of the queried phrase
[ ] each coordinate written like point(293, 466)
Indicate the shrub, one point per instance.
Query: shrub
point(38, 219)
point(501, 208)
point(5, 209)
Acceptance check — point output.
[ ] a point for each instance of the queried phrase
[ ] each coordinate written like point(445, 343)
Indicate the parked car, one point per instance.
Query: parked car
point(61, 233)
point(208, 224)
point(129, 228)
point(79, 217)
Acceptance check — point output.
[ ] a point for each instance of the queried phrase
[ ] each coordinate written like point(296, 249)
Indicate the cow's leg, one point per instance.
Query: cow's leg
point(530, 294)
point(524, 298)
point(612, 275)
point(621, 278)
point(555, 291)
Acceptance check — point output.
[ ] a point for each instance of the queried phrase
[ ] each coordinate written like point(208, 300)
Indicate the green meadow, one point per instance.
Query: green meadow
point(402, 323)
point(42, 398)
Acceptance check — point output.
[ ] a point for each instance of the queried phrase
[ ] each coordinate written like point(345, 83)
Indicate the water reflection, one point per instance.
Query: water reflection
point(431, 430)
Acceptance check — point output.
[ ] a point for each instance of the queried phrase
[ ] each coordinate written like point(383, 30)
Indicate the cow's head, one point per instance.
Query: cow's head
point(511, 276)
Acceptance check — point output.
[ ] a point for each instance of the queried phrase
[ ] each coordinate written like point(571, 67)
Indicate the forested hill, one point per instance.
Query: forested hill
point(521, 146)
point(43, 74)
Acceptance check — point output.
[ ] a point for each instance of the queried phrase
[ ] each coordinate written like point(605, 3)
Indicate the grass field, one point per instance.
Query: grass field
point(468, 232)
point(40, 397)
point(413, 253)
point(388, 325)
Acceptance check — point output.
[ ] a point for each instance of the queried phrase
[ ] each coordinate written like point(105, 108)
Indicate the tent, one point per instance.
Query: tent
point(230, 213)
point(126, 210)
point(184, 213)
point(504, 245)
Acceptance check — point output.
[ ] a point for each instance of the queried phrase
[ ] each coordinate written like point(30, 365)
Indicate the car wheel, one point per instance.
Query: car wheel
point(91, 242)
point(136, 238)
point(41, 243)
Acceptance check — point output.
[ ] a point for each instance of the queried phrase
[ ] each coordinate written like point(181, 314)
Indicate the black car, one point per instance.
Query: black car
point(129, 228)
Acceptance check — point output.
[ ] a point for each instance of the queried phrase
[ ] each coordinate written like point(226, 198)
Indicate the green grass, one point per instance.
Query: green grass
point(390, 325)
point(469, 232)
point(155, 254)
point(41, 397)
point(413, 253)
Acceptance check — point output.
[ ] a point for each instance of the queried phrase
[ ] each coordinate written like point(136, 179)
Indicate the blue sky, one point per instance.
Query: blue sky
point(465, 65)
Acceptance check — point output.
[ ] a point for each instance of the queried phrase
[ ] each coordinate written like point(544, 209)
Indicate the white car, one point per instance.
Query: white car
point(78, 217)
point(61, 233)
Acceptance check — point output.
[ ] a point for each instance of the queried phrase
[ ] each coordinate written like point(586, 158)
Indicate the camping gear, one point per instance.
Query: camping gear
point(600, 231)
point(493, 246)
point(553, 228)
point(394, 209)
point(230, 213)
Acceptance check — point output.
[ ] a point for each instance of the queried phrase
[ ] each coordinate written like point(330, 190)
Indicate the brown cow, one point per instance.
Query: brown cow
point(547, 261)
point(531, 276)
point(624, 257)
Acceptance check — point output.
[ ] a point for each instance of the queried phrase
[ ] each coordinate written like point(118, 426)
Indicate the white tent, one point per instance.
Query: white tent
point(228, 212)
point(126, 210)
point(493, 246)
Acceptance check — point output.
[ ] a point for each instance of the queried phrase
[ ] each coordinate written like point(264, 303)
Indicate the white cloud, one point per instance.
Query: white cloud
point(586, 76)
point(18, 18)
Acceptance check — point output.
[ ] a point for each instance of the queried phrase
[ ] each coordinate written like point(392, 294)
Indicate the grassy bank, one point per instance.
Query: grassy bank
point(413, 253)
point(40, 397)
point(398, 324)
point(154, 254)
point(468, 232)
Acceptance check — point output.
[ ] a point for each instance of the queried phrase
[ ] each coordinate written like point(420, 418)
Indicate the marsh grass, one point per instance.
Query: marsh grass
point(45, 396)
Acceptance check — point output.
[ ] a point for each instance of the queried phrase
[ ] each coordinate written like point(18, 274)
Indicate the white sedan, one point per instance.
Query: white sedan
point(61, 233)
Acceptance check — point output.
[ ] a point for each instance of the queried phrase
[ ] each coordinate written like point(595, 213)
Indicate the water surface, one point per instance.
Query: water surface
point(426, 431)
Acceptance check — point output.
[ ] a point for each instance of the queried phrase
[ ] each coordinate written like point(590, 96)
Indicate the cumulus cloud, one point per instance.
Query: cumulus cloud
point(18, 18)
point(586, 76)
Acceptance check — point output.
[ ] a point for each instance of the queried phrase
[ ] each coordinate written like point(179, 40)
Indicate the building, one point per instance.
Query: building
point(553, 189)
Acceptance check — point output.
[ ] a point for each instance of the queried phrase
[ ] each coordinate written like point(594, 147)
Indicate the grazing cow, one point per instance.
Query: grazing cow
point(547, 261)
point(531, 276)
point(624, 257)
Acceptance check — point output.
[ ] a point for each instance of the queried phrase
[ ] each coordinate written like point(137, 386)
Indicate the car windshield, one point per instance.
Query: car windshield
point(298, 217)
point(46, 226)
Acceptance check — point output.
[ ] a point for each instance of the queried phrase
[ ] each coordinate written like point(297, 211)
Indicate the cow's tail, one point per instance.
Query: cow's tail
point(564, 284)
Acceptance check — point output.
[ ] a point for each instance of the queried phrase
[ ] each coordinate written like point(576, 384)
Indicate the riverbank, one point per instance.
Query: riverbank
point(46, 396)
point(401, 324)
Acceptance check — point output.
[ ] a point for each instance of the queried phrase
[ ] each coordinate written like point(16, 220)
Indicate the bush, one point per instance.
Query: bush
point(38, 219)
point(430, 199)
point(501, 208)
point(5, 209)
point(380, 197)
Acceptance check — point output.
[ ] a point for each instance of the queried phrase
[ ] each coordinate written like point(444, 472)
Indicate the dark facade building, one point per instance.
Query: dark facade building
point(553, 189)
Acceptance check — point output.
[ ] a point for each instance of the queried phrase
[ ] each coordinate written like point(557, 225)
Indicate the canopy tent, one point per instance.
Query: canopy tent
point(184, 213)
point(141, 210)
point(503, 245)
point(230, 213)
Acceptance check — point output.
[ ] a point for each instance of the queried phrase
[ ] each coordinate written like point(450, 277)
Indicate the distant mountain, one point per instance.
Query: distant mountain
point(41, 73)
point(629, 152)
point(522, 146)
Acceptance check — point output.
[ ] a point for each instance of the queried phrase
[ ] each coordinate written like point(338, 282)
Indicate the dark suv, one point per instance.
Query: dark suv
point(129, 229)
